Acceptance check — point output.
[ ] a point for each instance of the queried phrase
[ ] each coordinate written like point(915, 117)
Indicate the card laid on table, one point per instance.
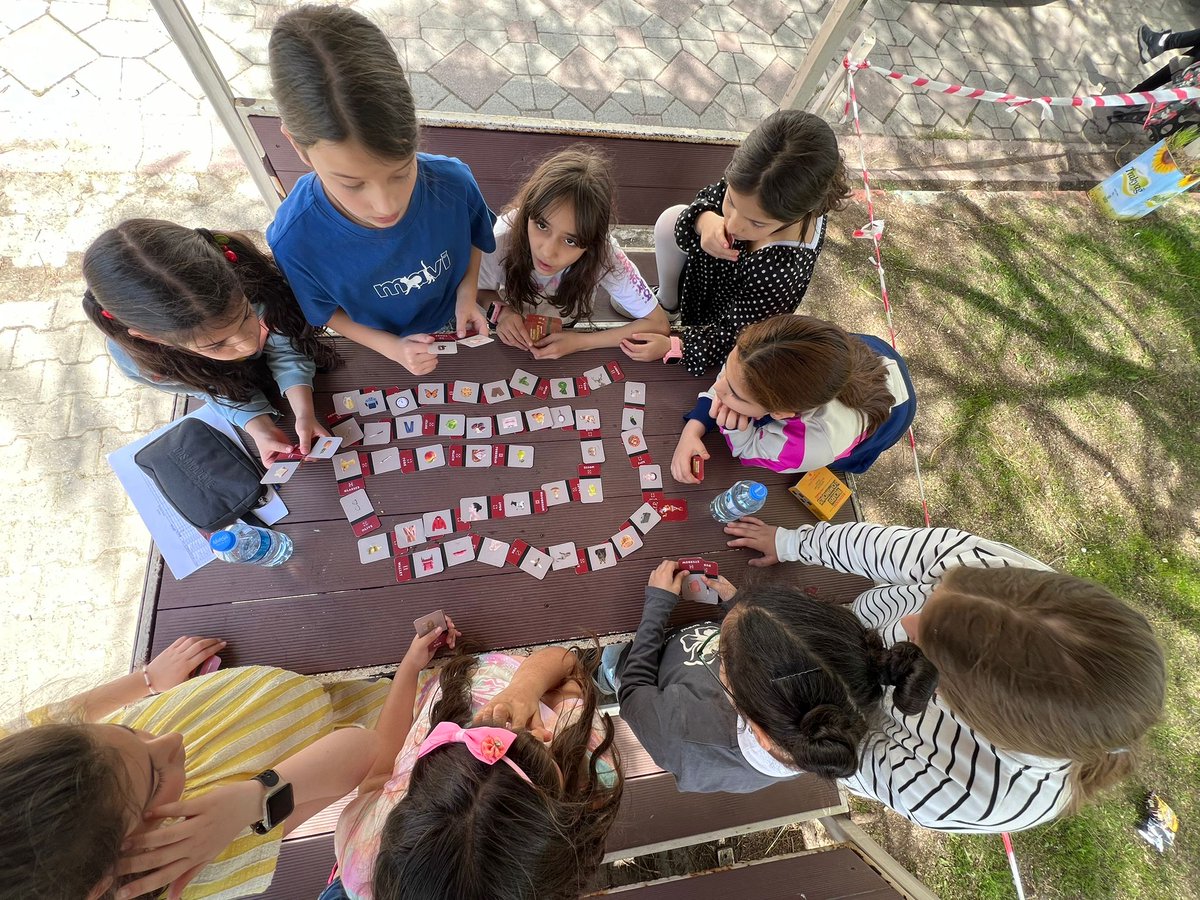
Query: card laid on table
point(539, 418)
point(371, 403)
point(480, 427)
point(520, 456)
point(562, 387)
point(493, 552)
point(496, 392)
point(509, 423)
point(431, 457)
point(349, 431)
point(279, 472)
point(591, 490)
point(645, 517)
point(431, 394)
point(428, 562)
point(387, 460)
point(438, 523)
point(473, 509)
point(563, 556)
point(626, 541)
point(373, 548)
point(557, 493)
point(597, 377)
point(536, 563)
point(602, 556)
point(587, 419)
point(346, 402)
point(592, 452)
point(465, 391)
point(376, 433)
point(402, 402)
point(409, 534)
point(479, 456)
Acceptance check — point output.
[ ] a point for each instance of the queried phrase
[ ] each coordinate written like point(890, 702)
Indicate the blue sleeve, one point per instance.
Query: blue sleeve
point(482, 218)
point(288, 366)
point(700, 414)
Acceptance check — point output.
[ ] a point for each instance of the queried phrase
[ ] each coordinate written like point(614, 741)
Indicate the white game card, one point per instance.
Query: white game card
point(376, 433)
point(475, 340)
point(562, 387)
point(409, 534)
point(557, 493)
point(431, 394)
point(443, 348)
point(634, 441)
point(428, 562)
point(356, 505)
point(402, 403)
point(602, 556)
point(626, 541)
point(591, 490)
point(597, 377)
point(650, 478)
point(523, 382)
point(431, 457)
point(563, 556)
point(592, 452)
point(473, 509)
point(437, 523)
point(496, 392)
point(635, 392)
point(346, 402)
point(407, 427)
point(478, 456)
point(459, 550)
point(373, 548)
point(517, 504)
point(349, 431)
point(697, 589)
point(451, 425)
point(385, 460)
point(538, 419)
point(587, 419)
point(280, 472)
point(509, 423)
point(371, 403)
point(480, 427)
point(645, 518)
point(465, 392)
point(536, 563)
point(562, 417)
point(520, 456)
point(493, 552)
point(346, 465)
point(632, 417)
point(324, 447)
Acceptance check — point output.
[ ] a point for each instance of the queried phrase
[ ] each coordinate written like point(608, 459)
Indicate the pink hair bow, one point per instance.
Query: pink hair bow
point(490, 745)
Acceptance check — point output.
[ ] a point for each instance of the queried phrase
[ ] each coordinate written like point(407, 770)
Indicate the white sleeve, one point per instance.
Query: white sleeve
point(626, 284)
point(491, 268)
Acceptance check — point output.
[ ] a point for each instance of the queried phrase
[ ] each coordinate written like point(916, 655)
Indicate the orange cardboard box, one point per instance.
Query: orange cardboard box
point(822, 492)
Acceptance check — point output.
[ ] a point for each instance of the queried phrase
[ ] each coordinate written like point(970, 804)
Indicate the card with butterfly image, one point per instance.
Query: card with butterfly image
point(374, 548)
point(523, 383)
point(400, 402)
point(386, 460)
point(478, 456)
point(431, 393)
point(372, 402)
point(280, 472)
point(376, 433)
point(464, 391)
point(496, 392)
point(431, 457)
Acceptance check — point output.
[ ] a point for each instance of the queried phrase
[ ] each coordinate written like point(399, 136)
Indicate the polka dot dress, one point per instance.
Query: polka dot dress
point(720, 297)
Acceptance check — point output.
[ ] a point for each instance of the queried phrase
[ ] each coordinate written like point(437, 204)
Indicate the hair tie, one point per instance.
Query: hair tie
point(230, 255)
point(489, 745)
point(106, 314)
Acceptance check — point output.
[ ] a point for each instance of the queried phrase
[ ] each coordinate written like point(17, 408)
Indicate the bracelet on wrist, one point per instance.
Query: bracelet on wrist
point(150, 691)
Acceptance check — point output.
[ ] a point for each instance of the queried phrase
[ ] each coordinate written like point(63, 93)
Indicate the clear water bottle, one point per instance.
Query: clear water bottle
point(242, 543)
point(743, 499)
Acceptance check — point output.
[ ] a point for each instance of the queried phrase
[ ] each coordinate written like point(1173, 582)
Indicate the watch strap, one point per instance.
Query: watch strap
point(676, 352)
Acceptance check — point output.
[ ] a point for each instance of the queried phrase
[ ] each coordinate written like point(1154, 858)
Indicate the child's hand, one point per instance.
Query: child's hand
point(723, 586)
point(714, 239)
point(754, 534)
point(469, 317)
point(511, 329)
point(307, 430)
point(172, 666)
point(726, 418)
point(268, 438)
point(558, 345)
point(668, 577)
point(515, 710)
point(425, 646)
point(646, 346)
point(690, 444)
point(412, 352)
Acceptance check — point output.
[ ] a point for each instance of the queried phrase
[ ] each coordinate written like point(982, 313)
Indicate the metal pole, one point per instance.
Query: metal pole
point(828, 41)
point(187, 37)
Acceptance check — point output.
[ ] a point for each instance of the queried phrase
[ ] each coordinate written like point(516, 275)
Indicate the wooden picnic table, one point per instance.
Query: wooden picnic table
point(324, 611)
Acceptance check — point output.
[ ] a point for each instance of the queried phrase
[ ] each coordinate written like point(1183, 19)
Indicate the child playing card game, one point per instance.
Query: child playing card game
point(208, 314)
point(554, 252)
point(796, 394)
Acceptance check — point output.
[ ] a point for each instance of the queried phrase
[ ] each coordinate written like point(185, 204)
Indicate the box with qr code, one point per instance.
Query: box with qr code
point(822, 492)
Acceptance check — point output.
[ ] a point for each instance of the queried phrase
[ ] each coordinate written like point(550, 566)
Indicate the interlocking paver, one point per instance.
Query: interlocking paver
point(586, 77)
point(25, 56)
point(470, 74)
point(690, 81)
point(766, 14)
point(674, 12)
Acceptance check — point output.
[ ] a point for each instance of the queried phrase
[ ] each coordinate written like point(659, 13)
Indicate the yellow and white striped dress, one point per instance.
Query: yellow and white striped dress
point(236, 723)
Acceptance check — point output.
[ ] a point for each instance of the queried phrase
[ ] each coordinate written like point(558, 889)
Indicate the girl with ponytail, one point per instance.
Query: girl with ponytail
point(796, 394)
point(208, 314)
point(782, 685)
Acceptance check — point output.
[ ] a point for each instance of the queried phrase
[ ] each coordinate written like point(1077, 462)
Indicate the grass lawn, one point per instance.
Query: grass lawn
point(1057, 360)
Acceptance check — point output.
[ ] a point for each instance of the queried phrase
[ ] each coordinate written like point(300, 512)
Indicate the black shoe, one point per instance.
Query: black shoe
point(1150, 43)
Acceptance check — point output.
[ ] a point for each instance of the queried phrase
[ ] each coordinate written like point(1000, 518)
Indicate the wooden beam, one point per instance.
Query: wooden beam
point(829, 40)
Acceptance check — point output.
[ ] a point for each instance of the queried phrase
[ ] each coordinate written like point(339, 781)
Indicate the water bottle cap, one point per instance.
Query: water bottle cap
point(222, 541)
point(758, 491)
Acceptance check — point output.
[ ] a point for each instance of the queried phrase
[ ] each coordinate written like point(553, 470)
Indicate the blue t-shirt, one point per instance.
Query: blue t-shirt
point(400, 279)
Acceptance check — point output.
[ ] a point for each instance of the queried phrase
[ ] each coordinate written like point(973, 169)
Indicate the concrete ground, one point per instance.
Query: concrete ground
point(101, 120)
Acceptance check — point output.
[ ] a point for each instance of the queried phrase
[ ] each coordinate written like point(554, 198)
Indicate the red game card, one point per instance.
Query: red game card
point(499, 454)
point(365, 526)
point(428, 423)
point(592, 435)
point(516, 552)
point(460, 524)
point(582, 389)
point(698, 466)
point(691, 564)
point(404, 569)
point(496, 506)
point(293, 455)
point(336, 418)
point(364, 462)
point(408, 461)
point(673, 510)
point(583, 566)
point(539, 502)
point(454, 455)
point(350, 485)
point(592, 471)
point(542, 391)
point(614, 371)
point(640, 459)
point(573, 486)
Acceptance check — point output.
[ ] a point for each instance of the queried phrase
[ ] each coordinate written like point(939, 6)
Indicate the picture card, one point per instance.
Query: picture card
point(635, 393)
point(520, 456)
point(587, 419)
point(536, 563)
point(538, 419)
point(279, 472)
point(431, 457)
point(465, 391)
point(563, 556)
point(374, 548)
point(451, 425)
point(480, 426)
point(324, 447)
point(697, 589)
point(437, 523)
point(602, 556)
point(428, 562)
point(385, 460)
point(461, 550)
point(346, 402)
point(632, 417)
point(592, 452)
point(634, 441)
point(443, 348)
point(516, 504)
point(409, 426)
point(597, 377)
point(496, 392)
point(349, 431)
point(409, 534)
point(591, 490)
point(475, 340)
point(430, 622)
point(645, 517)
point(523, 382)
point(371, 403)
point(479, 456)
point(402, 402)
point(626, 541)
point(562, 417)
point(650, 478)
point(346, 465)
point(562, 387)
point(473, 509)
point(431, 394)
point(509, 423)
point(357, 506)
point(376, 433)
point(557, 493)
point(493, 552)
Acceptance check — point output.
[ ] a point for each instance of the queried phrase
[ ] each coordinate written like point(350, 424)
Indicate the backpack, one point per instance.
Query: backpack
point(204, 475)
point(1167, 118)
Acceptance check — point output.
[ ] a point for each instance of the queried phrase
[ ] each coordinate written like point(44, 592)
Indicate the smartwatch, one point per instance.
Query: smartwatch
point(277, 804)
point(675, 354)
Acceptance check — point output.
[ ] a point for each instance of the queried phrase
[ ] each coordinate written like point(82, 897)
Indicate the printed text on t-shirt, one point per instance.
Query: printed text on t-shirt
point(423, 276)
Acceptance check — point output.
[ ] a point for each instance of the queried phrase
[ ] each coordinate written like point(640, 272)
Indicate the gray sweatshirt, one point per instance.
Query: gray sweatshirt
point(673, 702)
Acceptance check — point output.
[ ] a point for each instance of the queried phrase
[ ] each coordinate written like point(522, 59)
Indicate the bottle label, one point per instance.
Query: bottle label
point(266, 541)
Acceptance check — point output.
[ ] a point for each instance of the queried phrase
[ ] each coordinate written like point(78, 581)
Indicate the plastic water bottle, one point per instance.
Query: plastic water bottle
point(743, 499)
point(242, 543)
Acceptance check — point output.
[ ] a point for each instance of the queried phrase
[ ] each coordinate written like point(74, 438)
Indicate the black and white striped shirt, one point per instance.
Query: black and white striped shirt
point(931, 768)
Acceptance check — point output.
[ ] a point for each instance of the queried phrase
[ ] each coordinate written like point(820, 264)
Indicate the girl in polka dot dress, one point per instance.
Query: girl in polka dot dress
point(745, 249)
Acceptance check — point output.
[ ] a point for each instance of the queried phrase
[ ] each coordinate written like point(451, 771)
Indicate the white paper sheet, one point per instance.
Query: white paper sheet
point(183, 547)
